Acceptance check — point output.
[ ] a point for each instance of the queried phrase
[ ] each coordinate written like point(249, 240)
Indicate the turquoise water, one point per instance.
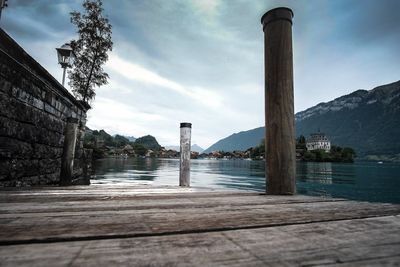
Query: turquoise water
point(360, 181)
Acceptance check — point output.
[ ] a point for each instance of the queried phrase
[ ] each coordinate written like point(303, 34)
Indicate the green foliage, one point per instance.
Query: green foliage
point(148, 142)
point(120, 141)
point(98, 153)
point(89, 139)
point(301, 142)
point(337, 154)
point(90, 50)
point(322, 156)
point(258, 151)
point(140, 150)
point(103, 136)
point(348, 154)
point(108, 139)
point(309, 156)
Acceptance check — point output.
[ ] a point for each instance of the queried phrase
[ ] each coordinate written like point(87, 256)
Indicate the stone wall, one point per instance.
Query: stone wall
point(34, 108)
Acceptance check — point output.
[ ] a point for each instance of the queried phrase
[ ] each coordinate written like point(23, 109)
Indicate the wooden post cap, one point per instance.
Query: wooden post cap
point(279, 13)
point(186, 125)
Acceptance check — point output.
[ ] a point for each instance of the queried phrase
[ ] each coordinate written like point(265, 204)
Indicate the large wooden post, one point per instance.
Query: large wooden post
point(67, 161)
point(279, 107)
point(184, 166)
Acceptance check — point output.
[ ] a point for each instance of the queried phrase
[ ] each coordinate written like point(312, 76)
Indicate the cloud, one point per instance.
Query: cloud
point(206, 7)
point(138, 73)
point(202, 60)
point(120, 118)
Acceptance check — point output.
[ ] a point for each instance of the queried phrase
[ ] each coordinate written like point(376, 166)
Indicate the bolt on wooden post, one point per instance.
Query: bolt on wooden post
point(67, 160)
point(184, 164)
point(279, 105)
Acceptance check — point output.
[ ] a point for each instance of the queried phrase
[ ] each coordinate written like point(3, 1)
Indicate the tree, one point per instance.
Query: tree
point(90, 50)
point(348, 154)
point(139, 149)
point(120, 141)
point(301, 142)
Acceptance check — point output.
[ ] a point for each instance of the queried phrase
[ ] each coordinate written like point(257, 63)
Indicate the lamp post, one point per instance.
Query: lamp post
point(3, 4)
point(64, 54)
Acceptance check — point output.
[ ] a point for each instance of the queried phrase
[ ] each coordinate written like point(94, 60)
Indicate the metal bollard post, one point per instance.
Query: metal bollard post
point(184, 166)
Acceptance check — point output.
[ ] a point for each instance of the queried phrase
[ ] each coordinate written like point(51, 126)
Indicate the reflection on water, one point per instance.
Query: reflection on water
point(317, 173)
point(325, 173)
point(362, 181)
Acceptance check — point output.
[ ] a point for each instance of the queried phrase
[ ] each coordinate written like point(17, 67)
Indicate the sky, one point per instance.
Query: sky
point(202, 61)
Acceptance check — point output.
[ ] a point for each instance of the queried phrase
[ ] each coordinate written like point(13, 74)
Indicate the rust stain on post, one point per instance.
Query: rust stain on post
point(67, 161)
point(279, 104)
point(184, 166)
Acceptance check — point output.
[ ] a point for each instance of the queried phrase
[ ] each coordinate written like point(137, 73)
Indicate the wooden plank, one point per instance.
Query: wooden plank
point(111, 203)
point(111, 190)
point(119, 186)
point(54, 195)
point(50, 226)
point(360, 242)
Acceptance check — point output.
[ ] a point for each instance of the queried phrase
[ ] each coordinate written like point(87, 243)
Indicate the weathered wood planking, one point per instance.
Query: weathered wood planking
point(104, 205)
point(372, 241)
point(149, 216)
point(145, 225)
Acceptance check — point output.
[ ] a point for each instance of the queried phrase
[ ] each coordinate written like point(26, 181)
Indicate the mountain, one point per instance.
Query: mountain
point(91, 137)
point(195, 148)
point(238, 141)
point(148, 142)
point(368, 121)
point(130, 138)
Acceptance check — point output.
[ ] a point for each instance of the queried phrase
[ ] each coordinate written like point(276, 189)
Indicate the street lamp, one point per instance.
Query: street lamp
point(64, 54)
point(3, 4)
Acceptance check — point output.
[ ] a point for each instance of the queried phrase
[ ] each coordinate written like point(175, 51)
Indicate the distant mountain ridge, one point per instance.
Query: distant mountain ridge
point(194, 147)
point(238, 141)
point(368, 121)
point(130, 138)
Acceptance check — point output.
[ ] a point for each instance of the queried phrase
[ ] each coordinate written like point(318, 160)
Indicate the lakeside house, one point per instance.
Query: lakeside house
point(318, 141)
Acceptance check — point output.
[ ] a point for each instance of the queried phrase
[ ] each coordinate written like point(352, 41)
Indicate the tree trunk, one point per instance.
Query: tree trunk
point(89, 78)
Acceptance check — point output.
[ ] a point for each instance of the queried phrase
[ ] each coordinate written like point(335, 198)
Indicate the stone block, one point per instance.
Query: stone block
point(48, 108)
point(29, 133)
point(27, 98)
point(21, 112)
point(43, 151)
point(46, 166)
point(16, 168)
point(11, 148)
point(5, 86)
point(50, 178)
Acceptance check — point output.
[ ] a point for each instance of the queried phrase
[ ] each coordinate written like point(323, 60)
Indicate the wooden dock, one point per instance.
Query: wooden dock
point(169, 226)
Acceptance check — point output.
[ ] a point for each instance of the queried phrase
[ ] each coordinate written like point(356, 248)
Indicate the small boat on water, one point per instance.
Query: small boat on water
point(380, 162)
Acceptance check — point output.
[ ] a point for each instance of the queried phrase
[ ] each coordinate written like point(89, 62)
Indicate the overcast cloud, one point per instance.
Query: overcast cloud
point(201, 61)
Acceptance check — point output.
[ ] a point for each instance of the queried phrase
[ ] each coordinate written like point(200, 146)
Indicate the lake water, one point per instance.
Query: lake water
point(359, 181)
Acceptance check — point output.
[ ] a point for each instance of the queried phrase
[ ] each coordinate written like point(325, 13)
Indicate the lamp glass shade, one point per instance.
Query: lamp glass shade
point(64, 54)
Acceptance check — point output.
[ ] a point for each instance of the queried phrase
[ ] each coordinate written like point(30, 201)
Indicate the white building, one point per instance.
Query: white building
point(318, 141)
